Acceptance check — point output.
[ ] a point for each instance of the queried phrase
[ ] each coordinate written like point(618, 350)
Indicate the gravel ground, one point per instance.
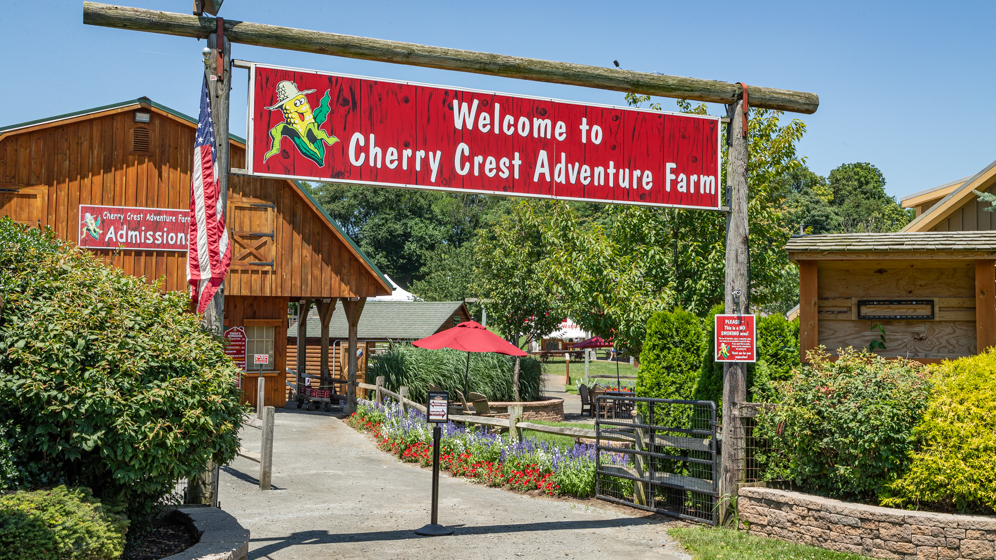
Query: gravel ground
point(336, 495)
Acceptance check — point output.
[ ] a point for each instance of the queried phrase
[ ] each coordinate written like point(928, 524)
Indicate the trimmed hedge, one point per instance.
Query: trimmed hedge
point(954, 466)
point(59, 524)
point(104, 381)
point(844, 429)
point(671, 360)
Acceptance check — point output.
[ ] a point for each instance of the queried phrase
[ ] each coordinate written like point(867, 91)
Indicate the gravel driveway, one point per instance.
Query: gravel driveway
point(337, 496)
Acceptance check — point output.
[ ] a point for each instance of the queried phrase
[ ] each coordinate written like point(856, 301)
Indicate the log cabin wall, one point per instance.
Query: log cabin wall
point(950, 284)
point(105, 158)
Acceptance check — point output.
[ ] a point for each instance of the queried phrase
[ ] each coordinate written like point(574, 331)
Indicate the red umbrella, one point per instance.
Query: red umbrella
point(469, 336)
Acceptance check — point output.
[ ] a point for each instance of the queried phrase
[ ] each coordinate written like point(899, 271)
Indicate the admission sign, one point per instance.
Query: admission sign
point(736, 338)
point(329, 127)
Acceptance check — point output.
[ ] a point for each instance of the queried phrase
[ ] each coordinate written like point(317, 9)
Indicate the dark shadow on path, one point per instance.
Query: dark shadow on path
point(305, 538)
point(247, 477)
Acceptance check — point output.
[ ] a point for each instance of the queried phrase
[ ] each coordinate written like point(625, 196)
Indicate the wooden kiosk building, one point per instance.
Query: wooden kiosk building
point(933, 293)
point(138, 154)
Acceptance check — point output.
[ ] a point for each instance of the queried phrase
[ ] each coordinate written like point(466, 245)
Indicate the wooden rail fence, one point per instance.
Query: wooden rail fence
point(513, 424)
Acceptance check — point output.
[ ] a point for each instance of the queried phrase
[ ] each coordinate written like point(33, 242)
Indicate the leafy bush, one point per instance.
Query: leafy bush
point(777, 356)
point(844, 429)
point(954, 466)
point(490, 373)
point(672, 356)
point(108, 383)
point(59, 524)
point(710, 383)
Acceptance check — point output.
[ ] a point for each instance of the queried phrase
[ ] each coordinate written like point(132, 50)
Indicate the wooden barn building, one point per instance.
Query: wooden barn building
point(137, 155)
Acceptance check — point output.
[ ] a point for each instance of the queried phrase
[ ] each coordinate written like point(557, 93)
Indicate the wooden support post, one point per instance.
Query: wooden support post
point(403, 393)
point(734, 374)
point(412, 54)
point(218, 92)
point(325, 309)
point(380, 390)
point(353, 309)
point(985, 304)
point(303, 309)
point(641, 490)
point(266, 451)
point(514, 417)
point(809, 306)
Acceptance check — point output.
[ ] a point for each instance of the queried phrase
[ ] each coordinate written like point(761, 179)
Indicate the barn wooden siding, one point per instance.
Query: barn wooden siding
point(265, 311)
point(108, 159)
point(837, 286)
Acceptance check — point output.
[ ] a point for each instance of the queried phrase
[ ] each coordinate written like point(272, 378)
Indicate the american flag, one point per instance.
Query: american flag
point(208, 250)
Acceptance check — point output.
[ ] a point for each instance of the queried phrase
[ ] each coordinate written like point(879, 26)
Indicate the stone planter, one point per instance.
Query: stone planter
point(221, 535)
point(546, 408)
point(870, 530)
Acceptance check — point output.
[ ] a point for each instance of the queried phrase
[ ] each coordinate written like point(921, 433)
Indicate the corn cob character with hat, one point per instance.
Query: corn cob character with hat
point(300, 124)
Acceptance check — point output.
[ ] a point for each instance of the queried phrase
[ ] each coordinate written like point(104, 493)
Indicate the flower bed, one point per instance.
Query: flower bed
point(489, 458)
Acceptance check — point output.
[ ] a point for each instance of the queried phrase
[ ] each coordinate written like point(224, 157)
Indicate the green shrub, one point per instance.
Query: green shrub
point(490, 373)
point(710, 383)
point(108, 383)
point(954, 466)
point(777, 356)
point(844, 429)
point(58, 524)
point(671, 361)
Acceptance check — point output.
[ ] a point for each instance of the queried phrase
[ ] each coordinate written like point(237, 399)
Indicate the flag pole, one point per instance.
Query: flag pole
point(218, 71)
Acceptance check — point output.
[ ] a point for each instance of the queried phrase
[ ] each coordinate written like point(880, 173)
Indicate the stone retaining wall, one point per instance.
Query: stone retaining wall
point(873, 531)
point(547, 408)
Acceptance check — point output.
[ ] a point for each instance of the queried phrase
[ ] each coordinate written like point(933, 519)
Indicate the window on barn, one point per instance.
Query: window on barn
point(259, 340)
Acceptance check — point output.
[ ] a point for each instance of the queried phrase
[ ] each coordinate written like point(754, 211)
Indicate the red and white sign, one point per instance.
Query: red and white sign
point(263, 359)
point(125, 227)
point(736, 338)
point(337, 128)
point(235, 346)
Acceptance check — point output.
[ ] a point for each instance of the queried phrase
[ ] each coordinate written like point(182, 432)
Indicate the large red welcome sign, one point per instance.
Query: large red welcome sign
point(337, 128)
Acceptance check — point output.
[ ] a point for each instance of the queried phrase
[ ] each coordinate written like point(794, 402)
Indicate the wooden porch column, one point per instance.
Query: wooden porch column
point(303, 308)
point(985, 304)
point(809, 305)
point(325, 309)
point(353, 309)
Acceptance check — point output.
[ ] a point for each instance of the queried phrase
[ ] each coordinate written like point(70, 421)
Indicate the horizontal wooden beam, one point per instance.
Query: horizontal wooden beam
point(413, 54)
point(801, 256)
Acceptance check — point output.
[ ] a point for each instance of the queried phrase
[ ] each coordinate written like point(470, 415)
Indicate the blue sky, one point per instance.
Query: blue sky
point(906, 86)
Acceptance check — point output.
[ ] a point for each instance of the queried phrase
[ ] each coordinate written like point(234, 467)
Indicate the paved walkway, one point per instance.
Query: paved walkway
point(337, 496)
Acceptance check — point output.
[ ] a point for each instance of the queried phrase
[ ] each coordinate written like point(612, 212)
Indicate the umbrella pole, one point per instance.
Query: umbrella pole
point(617, 370)
point(466, 379)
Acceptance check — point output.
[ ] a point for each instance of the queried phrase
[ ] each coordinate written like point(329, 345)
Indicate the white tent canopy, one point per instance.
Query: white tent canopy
point(398, 294)
point(568, 330)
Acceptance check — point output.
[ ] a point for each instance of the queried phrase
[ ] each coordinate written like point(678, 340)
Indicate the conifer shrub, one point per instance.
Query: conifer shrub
point(954, 465)
point(671, 361)
point(844, 429)
point(104, 381)
point(59, 524)
point(709, 386)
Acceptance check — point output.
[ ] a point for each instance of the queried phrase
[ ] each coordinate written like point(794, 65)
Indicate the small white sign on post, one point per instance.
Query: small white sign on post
point(261, 359)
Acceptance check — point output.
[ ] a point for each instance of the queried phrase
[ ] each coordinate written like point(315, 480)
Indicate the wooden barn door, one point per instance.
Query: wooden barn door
point(26, 205)
point(252, 227)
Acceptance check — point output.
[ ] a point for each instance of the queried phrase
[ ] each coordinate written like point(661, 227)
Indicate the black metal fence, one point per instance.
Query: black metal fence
point(659, 455)
point(757, 451)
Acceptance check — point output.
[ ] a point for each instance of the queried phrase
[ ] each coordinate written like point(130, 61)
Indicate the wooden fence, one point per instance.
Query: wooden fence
point(513, 424)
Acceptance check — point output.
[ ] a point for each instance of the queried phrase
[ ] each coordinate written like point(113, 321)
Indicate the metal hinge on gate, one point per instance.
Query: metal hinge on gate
point(263, 205)
point(261, 263)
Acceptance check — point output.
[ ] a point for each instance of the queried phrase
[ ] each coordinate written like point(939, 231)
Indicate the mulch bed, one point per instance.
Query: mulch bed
point(165, 538)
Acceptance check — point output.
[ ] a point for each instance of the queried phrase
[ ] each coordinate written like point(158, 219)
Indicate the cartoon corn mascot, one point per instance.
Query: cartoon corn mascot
point(92, 226)
point(300, 124)
point(724, 350)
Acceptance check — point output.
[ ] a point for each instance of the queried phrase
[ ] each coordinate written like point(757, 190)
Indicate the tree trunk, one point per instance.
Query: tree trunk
point(515, 381)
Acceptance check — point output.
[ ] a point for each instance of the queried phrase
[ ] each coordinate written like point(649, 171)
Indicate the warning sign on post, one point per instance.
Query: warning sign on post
point(736, 338)
point(438, 406)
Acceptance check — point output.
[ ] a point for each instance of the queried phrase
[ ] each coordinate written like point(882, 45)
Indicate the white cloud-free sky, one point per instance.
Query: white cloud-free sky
point(904, 85)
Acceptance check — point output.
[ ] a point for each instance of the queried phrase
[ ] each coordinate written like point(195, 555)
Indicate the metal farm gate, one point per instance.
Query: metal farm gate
point(659, 455)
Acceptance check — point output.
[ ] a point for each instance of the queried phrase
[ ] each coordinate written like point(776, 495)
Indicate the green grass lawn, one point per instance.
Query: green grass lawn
point(707, 543)
point(556, 439)
point(598, 367)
